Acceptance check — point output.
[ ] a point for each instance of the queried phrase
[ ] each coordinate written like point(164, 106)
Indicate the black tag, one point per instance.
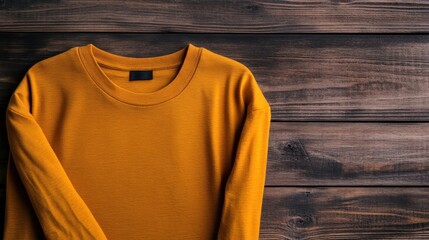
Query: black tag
point(141, 75)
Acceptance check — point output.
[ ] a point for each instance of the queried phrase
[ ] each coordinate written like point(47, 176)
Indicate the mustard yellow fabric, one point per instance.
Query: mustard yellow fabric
point(94, 155)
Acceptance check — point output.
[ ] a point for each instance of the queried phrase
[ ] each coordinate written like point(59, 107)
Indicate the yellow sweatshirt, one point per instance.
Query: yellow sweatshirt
point(104, 146)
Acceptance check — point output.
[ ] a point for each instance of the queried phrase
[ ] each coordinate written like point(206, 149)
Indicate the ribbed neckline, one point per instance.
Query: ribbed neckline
point(188, 57)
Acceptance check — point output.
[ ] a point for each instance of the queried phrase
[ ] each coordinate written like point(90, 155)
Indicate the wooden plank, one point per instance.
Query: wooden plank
point(343, 154)
point(339, 213)
point(345, 213)
point(382, 16)
point(304, 77)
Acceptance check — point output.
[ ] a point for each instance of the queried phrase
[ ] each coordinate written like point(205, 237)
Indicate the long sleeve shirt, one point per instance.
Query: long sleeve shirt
point(107, 146)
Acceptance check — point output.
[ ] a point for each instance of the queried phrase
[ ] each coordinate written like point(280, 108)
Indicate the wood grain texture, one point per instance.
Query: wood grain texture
point(345, 213)
point(348, 154)
point(304, 77)
point(336, 16)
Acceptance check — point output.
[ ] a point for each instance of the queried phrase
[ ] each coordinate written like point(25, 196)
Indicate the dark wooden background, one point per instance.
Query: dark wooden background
point(348, 83)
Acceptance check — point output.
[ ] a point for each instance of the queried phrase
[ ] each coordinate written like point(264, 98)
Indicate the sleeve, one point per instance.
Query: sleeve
point(61, 211)
point(242, 206)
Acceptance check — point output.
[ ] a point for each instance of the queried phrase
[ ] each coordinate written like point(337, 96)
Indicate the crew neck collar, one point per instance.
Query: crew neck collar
point(188, 57)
